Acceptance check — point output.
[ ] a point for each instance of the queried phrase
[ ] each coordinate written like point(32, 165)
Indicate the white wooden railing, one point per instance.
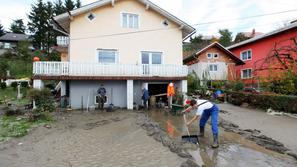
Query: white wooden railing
point(62, 41)
point(92, 69)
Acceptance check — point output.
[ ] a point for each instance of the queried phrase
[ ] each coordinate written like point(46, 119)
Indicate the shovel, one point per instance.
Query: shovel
point(189, 138)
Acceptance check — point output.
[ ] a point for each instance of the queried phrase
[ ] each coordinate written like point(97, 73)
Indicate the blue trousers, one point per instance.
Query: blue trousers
point(214, 113)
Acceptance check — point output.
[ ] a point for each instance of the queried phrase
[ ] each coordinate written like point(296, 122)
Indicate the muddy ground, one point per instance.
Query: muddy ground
point(88, 140)
point(126, 138)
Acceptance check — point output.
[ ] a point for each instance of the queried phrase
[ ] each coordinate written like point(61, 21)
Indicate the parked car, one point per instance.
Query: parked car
point(251, 90)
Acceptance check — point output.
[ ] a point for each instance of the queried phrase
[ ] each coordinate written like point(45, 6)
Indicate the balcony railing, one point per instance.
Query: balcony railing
point(62, 41)
point(107, 70)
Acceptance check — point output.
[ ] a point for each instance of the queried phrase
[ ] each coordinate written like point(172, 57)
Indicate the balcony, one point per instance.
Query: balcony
point(62, 41)
point(67, 69)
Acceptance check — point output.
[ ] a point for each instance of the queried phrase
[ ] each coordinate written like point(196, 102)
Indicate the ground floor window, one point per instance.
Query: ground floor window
point(213, 67)
point(246, 73)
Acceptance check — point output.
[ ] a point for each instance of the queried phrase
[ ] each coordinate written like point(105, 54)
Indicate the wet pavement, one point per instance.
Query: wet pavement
point(234, 149)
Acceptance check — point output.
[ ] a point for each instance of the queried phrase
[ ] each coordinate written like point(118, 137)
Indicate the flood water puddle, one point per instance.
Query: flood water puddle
point(234, 150)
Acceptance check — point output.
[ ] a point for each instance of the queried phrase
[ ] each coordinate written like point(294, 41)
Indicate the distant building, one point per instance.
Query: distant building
point(259, 52)
point(214, 62)
point(9, 41)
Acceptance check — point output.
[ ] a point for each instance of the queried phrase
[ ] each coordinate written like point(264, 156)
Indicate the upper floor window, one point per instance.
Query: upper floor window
point(107, 56)
point(213, 67)
point(91, 16)
point(151, 58)
point(246, 73)
point(246, 55)
point(212, 55)
point(130, 20)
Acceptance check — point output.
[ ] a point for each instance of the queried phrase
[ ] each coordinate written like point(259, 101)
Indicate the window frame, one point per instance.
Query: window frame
point(116, 55)
point(128, 14)
point(213, 65)
point(209, 54)
point(251, 73)
point(87, 16)
point(150, 53)
point(214, 56)
point(248, 50)
point(7, 45)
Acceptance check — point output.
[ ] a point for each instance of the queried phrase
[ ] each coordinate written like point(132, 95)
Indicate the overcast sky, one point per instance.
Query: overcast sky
point(195, 12)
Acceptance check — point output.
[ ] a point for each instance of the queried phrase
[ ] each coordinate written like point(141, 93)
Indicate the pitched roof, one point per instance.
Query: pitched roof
point(14, 37)
point(63, 20)
point(259, 37)
point(221, 47)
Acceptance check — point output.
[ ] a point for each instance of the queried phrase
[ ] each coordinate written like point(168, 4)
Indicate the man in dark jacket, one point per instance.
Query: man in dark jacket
point(102, 96)
point(145, 97)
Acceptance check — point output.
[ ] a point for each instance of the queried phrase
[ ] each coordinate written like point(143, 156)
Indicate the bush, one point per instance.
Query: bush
point(264, 101)
point(10, 112)
point(14, 85)
point(3, 85)
point(238, 86)
point(44, 102)
point(24, 84)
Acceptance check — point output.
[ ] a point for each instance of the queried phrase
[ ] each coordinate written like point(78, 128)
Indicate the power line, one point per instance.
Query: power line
point(243, 18)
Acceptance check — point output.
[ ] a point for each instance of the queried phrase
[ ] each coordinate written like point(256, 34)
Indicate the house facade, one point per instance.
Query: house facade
point(266, 56)
point(214, 62)
point(126, 45)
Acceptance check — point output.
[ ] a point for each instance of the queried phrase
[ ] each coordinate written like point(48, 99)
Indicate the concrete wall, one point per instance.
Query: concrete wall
point(88, 36)
point(79, 91)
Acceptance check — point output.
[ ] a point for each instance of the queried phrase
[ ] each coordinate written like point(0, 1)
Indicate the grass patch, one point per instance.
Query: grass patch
point(10, 94)
point(11, 126)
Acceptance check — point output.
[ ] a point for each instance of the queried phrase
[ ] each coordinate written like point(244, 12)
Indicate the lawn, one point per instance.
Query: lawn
point(10, 95)
point(12, 126)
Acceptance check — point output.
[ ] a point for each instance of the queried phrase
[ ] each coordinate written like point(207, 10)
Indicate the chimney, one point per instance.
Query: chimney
point(253, 32)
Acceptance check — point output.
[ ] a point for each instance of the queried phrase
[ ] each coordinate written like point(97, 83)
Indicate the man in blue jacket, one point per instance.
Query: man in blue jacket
point(145, 97)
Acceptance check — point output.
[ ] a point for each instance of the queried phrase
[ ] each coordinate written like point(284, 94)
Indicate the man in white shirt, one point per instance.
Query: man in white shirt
point(205, 109)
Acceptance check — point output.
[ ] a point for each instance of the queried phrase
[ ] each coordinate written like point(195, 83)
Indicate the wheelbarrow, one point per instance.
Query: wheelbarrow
point(189, 138)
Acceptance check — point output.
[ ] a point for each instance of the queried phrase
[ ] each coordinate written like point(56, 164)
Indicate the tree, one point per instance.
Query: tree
point(69, 4)
point(226, 37)
point(78, 4)
point(39, 25)
point(240, 37)
point(2, 31)
point(18, 26)
point(59, 7)
point(3, 68)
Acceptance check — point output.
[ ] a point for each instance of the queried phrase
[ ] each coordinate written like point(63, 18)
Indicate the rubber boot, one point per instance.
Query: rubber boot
point(215, 141)
point(201, 133)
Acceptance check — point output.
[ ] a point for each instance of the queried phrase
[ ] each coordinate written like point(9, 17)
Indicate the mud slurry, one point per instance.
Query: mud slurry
point(235, 150)
point(81, 139)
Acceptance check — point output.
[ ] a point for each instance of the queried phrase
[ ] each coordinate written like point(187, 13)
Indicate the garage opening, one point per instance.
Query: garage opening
point(157, 89)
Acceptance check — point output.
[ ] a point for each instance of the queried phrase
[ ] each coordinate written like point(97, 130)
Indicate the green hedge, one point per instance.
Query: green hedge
point(264, 101)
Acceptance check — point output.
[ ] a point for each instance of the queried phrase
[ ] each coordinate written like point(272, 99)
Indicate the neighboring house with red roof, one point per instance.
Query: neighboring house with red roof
point(214, 62)
point(267, 56)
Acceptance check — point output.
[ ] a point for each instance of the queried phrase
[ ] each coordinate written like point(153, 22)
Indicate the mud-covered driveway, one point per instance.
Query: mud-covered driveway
point(88, 140)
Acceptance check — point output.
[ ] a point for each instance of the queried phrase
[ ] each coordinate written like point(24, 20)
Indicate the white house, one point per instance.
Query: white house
point(123, 44)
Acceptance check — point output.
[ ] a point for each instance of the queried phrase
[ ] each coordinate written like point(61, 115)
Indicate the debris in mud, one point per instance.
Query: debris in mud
point(189, 163)
point(93, 125)
point(179, 147)
point(47, 126)
point(255, 135)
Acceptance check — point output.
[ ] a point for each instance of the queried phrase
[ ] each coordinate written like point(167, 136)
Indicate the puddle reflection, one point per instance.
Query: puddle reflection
point(233, 151)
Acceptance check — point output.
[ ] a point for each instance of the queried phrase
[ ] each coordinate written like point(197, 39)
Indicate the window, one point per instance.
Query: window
point(91, 16)
point(151, 57)
point(213, 67)
point(107, 56)
point(209, 55)
point(215, 55)
point(246, 73)
point(6, 45)
point(130, 20)
point(246, 55)
point(165, 23)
